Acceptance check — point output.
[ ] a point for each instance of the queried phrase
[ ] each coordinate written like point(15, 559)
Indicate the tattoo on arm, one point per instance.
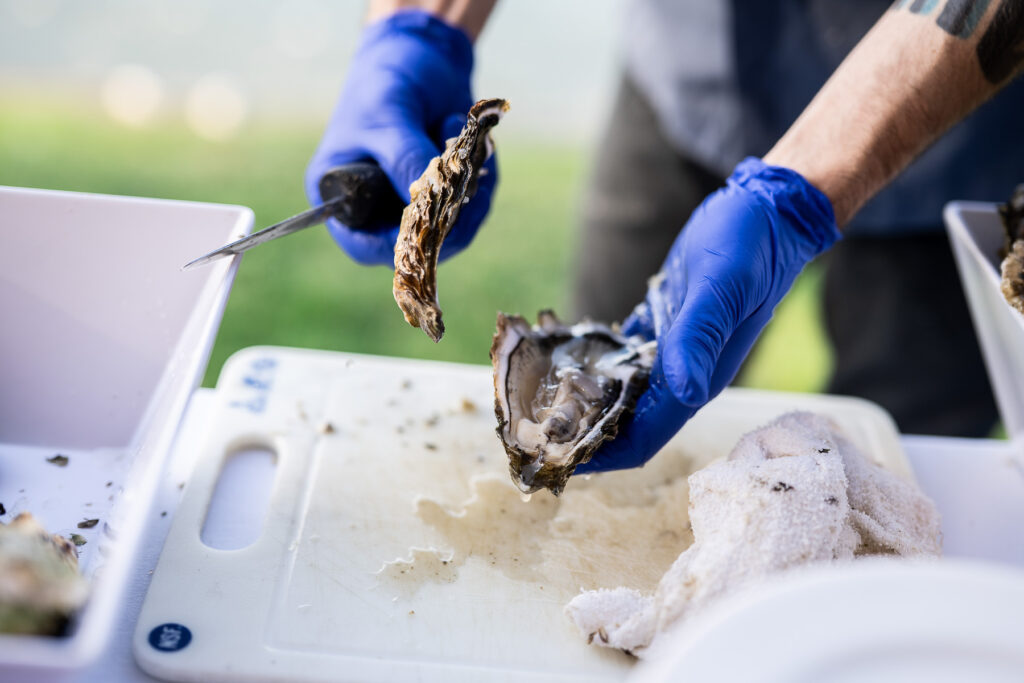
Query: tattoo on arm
point(1001, 47)
point(961, 17)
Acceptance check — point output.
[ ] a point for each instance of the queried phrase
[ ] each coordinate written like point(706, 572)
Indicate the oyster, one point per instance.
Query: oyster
point(560, 392)
point(1012, 268)
point(437, 196)
point(40, 586)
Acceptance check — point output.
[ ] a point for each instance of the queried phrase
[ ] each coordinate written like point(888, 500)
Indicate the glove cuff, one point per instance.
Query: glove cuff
point(450, 40)
point(794, 197)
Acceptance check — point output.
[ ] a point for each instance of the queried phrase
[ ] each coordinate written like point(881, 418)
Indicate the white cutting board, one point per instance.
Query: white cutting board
point(305, 601)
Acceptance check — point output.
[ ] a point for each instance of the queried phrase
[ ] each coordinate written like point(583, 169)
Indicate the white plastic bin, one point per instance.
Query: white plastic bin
point(977, 234)
point(103, 339)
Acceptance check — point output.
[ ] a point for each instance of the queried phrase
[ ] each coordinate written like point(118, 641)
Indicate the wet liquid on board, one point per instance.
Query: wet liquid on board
point(623, 529)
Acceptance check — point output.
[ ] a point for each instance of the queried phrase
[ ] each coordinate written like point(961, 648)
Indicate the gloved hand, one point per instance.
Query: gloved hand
point(731, 264)
point(407, 91)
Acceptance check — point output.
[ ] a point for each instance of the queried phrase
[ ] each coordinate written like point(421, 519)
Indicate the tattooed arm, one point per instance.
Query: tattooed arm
point(924, 66)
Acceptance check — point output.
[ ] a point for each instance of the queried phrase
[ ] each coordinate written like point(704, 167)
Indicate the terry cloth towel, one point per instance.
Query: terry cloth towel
point(793, 492)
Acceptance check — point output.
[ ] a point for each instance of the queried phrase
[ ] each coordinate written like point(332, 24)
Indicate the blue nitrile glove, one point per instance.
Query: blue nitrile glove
point(734, 260)
point(407, 92)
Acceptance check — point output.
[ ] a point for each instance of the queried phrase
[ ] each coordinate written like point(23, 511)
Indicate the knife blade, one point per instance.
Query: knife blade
point(357, 194)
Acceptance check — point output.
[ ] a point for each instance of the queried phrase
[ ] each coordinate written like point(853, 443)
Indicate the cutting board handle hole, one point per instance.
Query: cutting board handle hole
point(238, 508)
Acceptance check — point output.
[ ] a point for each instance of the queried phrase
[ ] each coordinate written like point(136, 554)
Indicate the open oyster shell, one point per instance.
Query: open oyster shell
point(560, 392)
point(437, 197)
point(1012, 267)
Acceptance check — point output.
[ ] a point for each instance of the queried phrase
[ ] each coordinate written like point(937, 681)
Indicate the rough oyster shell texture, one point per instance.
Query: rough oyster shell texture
point(40, 586)
point(437, 197)
point(1012, 268)
point(560, 392)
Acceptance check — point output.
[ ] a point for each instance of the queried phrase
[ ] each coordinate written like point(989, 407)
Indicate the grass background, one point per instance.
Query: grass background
point(303, 291)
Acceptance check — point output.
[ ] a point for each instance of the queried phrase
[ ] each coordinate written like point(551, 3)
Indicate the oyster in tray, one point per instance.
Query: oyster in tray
point(437, 197)
point(1012, 267)
point(561, 391)
point(40, 586)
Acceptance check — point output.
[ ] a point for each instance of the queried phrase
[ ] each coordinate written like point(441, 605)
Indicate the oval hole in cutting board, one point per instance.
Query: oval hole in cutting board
point(234, 518)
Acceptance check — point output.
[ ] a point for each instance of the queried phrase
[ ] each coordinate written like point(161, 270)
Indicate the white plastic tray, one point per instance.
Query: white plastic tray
point(104, 339)
point(977, 234)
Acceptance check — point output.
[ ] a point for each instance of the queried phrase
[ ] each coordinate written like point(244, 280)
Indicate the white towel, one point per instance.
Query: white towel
point(793, 492)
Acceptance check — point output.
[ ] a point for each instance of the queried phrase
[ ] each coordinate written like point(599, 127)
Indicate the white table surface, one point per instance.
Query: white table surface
point(977, 484)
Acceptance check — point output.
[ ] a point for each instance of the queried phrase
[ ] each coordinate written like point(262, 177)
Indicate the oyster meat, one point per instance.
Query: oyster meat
point(561, 391)
point(1012, 268)
point(436, 199)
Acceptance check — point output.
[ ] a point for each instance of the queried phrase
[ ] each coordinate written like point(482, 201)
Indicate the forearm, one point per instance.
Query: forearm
point(469, 15)
point(909, 79)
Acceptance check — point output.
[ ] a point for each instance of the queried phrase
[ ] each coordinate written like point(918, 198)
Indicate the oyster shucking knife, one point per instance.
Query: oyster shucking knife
point(357, 194)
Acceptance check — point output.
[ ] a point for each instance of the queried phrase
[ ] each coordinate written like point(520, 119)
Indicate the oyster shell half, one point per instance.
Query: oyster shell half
point(40, 586)
point(1012, 267)
point(560, 392)
point(437, 197)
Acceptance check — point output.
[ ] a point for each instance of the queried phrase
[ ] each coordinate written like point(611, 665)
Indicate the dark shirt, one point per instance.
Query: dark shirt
point(728, 77)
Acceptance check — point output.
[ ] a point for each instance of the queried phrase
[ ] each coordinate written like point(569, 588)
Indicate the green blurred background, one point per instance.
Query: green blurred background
point(303, 291)
point(224, 102)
